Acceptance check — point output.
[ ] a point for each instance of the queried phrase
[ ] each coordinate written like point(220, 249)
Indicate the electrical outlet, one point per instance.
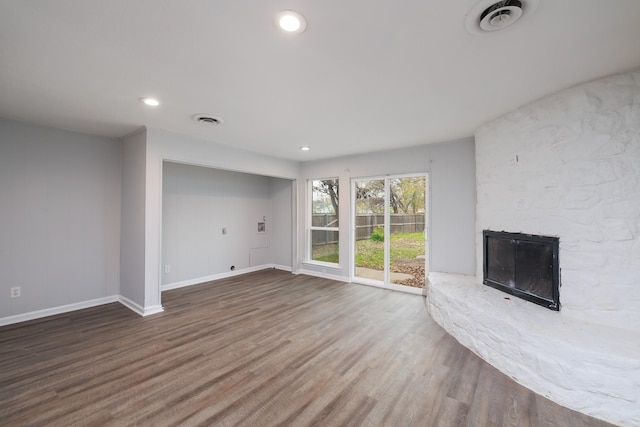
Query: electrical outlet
point(167, 268)
point(15, 292)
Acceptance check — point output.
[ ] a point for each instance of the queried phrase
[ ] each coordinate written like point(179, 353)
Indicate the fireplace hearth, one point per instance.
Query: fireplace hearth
point(523, 265)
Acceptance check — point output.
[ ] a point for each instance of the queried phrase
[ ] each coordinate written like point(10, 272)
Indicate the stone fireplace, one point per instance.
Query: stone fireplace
point(567, 165)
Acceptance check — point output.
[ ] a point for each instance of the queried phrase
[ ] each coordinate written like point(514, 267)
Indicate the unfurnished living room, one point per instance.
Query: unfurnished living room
point(296, 213)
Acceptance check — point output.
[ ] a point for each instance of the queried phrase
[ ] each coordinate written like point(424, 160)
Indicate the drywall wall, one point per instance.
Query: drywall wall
point(163, 146)
point(452, 199)
point(280, 224)
point(453, 204)
point(59, 217)
point(210, 221)
point(132, 253)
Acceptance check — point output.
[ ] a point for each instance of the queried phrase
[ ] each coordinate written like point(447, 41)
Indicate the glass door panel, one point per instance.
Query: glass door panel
point(369, 235)
point(407, 231)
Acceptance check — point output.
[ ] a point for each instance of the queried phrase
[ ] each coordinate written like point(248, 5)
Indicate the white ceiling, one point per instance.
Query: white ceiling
point(366, 75)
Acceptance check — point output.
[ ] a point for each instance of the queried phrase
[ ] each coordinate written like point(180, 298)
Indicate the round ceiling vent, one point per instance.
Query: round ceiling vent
point(500, 15)
point(491, 15)
point(207, 119)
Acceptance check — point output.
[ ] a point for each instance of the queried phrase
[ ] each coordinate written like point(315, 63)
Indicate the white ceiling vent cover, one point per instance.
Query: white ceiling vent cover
point(491, 15)
point(500, 15)
point(207, 119)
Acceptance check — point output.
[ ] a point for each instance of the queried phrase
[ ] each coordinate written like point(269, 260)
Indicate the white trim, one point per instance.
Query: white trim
point(323, 264)
point(386, 266)
point(318, 228)
point(386, 282)
point(138, 309)
point(406, 289)
point(368, 282)
point(56, 310)
point(154, 309)
point(218, 276)
point(390, 286)
point(146, 311)
point(364, 282)
point(131, 305)
point(323, 275)
point(308, 253)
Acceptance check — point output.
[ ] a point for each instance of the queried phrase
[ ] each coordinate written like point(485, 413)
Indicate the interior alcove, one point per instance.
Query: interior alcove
point(210, 223)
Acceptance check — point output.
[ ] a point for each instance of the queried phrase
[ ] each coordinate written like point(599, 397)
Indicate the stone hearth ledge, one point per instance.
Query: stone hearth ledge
point(586, 367)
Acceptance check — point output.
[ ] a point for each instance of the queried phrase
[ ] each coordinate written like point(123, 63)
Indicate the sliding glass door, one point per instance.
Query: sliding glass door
point(389, 234)
point(369, 208)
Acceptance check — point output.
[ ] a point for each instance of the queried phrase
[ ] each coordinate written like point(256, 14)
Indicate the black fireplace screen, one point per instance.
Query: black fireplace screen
point(523, 265)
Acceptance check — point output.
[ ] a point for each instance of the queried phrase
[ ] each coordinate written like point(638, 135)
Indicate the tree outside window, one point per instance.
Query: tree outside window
point(324, 221)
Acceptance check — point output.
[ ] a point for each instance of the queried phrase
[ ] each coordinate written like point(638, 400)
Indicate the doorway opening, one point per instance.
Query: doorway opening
point(389, 237)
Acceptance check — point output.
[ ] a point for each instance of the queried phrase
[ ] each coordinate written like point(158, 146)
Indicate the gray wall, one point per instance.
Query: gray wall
point(163, 146)
point(81, 215)
point(132, 252)
point(197, 204)
point(281, 222)
point(453, 204)
point(59, 217)
point(451, 168)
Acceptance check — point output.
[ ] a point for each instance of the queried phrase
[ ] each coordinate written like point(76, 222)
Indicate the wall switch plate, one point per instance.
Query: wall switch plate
point(167, 268)
point(15, 292)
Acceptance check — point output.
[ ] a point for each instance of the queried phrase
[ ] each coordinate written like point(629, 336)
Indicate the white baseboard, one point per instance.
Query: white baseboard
point(218, 276)
point(133, 306)
point(323, 275)
point(24, 317)
point(154, 309)
point(57, 310)
point(137, 308)
point(391, 286)
point(405, 289)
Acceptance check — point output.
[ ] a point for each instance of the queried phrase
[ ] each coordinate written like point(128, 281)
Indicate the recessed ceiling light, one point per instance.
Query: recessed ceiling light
point(291, 22)
point(152, 102)
point(305, 148)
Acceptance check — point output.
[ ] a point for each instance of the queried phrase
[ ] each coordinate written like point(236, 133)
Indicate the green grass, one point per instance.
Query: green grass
point(370, 254)
point(326, 253)
point(404, 246)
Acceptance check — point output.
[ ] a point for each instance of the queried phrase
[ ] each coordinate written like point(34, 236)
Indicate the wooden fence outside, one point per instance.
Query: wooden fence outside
point(365, 224)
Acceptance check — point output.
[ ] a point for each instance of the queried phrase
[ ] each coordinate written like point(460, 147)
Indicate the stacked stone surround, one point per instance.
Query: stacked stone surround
point(568, 166)
point(590, 368)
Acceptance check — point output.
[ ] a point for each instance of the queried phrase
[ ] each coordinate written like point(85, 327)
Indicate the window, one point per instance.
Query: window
point(323, 221)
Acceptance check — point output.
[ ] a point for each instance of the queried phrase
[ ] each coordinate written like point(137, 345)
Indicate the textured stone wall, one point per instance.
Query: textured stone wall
point(590, 368)
point(568, 165)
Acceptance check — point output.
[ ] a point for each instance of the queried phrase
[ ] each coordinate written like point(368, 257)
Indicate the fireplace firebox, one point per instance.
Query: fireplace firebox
point(523, 265)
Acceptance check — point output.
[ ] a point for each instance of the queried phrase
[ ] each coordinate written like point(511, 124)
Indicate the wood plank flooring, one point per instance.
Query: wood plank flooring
point(264, 349)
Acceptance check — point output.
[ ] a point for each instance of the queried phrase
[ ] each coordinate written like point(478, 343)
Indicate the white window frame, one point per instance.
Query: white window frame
point(386, 283)
point(310, 228)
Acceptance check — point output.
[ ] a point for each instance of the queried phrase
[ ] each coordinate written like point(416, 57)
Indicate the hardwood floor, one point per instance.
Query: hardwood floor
point(263, 349)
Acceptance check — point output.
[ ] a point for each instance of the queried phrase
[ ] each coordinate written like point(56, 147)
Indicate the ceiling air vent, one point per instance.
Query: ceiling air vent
point(500, 15)
point(491, 15)
point(207, 119)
